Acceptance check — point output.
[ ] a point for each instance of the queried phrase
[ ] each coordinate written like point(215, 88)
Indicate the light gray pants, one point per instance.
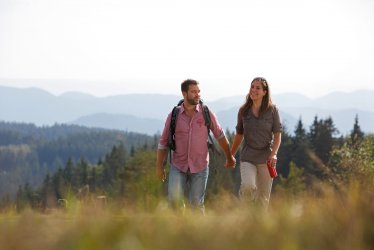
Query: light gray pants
point(256, 183)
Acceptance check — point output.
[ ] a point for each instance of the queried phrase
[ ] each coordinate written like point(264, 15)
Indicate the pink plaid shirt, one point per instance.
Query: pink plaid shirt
point(191, 137)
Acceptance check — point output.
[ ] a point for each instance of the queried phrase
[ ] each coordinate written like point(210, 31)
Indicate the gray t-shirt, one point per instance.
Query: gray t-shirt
point(258, 134)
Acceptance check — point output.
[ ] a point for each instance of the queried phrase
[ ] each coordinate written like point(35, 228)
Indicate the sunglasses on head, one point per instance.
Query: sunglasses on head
point(261, 79)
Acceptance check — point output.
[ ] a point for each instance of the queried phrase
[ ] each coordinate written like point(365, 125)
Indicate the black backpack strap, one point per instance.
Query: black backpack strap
point(208, 123)
point(173, 124)
point(180, 102)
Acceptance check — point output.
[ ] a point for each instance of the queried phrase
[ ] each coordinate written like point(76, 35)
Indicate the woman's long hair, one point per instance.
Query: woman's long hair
point(266, 100)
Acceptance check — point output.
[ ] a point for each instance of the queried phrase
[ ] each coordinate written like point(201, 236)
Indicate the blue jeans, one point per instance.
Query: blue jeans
point(178, 182)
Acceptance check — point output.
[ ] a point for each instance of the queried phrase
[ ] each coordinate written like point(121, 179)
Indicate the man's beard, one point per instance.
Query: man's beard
point(193, 101)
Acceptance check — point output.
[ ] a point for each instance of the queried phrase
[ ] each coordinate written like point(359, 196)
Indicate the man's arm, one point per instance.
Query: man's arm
point(230, 159)
point(160, 170)
point(162, 150)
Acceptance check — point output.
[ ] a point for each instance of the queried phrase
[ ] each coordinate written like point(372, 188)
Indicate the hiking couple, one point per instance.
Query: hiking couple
point(185, 130)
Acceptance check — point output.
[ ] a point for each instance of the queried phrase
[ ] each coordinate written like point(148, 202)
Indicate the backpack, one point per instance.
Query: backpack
point(173, 121)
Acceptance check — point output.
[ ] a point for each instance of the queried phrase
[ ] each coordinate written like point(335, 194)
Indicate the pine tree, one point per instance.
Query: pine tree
point(93, 180)
point(68, 171)
point(114, 163)
point(300, 133)
point(356, 134)
point(83, 171)
point(300, 148)
point(58, 183)
point(285, 153)
point(321, 137)
point(47, 192)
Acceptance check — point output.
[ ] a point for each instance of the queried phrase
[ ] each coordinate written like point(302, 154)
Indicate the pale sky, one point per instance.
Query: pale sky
point(110, 47)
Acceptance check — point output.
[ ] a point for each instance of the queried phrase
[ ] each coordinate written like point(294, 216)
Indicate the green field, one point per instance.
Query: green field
point(323, 218)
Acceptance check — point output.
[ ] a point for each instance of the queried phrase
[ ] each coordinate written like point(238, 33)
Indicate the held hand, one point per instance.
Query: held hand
point(230, 162)
point(161, 174)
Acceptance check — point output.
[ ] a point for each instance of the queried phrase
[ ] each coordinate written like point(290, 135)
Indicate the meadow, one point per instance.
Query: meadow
point(322, 217)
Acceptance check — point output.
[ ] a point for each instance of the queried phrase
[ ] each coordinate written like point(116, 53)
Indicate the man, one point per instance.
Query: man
point(190, 159)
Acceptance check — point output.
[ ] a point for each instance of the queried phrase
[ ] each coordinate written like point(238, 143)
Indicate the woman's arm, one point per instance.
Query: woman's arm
point(275, 148)
point(238, 138)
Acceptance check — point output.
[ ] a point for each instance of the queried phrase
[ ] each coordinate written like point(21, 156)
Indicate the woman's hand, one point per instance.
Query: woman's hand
point(273, 160)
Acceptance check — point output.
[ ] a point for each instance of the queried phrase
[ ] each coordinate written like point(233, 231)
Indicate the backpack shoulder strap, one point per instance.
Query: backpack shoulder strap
point(208, 122)
point(206, 114)
point(180, 102)
point(173, 124)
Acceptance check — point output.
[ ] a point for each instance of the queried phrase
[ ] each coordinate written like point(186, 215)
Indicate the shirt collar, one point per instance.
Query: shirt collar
point(197, 108)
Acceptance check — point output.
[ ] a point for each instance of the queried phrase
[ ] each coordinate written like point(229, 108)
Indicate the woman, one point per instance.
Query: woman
point(260, 128)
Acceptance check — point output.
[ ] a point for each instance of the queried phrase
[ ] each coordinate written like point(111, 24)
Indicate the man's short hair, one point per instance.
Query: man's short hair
point(186, 84)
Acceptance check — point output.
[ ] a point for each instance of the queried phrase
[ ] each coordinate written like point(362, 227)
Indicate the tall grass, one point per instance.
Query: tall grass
point(322, 218)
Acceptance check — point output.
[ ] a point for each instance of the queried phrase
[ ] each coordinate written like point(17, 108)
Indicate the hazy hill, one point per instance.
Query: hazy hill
point(360, 100)
point(145, 113)
point(121, 122)
point(40, 107)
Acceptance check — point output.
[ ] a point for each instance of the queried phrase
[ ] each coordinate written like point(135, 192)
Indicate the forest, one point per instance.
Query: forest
point(28, 153)
point(40, 166)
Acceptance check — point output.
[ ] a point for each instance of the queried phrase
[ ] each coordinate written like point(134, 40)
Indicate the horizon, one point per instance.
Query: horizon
point(29, 104)
point(26, 84)
point(311, 47)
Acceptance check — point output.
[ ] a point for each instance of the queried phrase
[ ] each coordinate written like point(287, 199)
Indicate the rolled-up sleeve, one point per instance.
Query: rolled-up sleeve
point(239, 125)
point(215, 126)
point(277, 125)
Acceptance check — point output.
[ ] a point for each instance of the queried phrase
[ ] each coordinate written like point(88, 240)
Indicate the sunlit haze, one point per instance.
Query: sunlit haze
point(116, 47)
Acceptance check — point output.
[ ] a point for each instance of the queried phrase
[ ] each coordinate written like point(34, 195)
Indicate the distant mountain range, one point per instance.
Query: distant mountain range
point(146, 113)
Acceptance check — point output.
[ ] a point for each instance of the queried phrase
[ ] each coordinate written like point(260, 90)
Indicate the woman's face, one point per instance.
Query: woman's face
point(257, 91)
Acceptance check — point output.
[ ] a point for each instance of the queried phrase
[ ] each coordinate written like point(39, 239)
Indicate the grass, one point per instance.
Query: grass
point(322, 219)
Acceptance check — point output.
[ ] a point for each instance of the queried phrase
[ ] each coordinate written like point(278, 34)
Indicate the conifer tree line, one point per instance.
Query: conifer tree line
point(126, 174)
point(28, 153)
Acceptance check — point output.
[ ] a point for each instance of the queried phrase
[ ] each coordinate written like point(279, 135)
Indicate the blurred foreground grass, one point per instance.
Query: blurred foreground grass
point(322, 219)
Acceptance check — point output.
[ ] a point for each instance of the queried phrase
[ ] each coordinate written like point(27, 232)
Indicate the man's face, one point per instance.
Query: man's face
point(192, 96)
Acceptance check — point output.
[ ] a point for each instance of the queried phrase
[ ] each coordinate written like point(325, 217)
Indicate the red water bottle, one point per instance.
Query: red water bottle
point(272, 170)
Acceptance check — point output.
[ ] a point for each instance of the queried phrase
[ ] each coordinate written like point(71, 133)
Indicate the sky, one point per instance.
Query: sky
point(111, 47)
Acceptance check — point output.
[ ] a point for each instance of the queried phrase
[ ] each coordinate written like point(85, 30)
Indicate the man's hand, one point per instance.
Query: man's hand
point(230, 162)
point(161, 174)
point(160, 170)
